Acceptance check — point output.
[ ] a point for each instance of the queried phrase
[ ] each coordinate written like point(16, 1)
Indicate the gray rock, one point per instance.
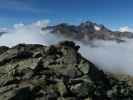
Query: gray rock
point(58, 72)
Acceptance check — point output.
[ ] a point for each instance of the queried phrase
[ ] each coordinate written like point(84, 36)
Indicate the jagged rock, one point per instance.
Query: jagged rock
point(3, 49)
point(57, 72)
point(82, 90)
point(62, 88)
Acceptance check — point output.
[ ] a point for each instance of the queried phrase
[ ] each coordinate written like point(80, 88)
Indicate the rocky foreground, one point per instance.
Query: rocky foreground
point(58, 72)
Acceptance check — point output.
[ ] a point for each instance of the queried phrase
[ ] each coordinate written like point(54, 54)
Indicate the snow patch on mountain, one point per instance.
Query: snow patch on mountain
point(97, 28)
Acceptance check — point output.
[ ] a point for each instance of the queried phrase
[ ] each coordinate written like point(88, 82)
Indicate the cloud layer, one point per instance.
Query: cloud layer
point(30, 34)
point(111, 56)
point(107, 55)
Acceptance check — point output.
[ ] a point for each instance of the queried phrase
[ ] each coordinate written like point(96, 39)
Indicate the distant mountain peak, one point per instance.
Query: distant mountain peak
point(88, 23)
point(94, 26)
point(88, 31)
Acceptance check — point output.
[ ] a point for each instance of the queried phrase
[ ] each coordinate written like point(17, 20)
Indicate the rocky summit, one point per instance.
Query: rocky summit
point(57, 72)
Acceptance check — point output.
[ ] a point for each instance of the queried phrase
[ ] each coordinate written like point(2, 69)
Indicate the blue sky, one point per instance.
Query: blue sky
point(112, 13)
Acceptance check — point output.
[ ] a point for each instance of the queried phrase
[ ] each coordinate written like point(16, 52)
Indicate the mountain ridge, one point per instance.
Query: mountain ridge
point(87, 31)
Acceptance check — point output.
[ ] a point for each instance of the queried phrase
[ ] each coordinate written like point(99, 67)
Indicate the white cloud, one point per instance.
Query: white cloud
point(30, 34)
point(110, 56)
point(42, 23)
point(18, 25)
point(3, 29)
point(126, 29)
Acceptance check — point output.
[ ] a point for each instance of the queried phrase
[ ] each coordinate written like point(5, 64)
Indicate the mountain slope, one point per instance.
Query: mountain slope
point(88, 31)
point(57, 72)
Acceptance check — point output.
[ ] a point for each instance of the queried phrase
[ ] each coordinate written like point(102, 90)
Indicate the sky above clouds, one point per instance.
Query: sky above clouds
point(112, 13)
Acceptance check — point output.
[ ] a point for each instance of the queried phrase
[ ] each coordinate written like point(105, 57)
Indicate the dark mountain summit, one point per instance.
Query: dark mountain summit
point(88, 31)
point(57, 72)
point(92, 27)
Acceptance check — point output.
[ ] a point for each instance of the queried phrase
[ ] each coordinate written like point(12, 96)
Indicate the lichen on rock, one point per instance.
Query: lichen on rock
point(57, 72)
